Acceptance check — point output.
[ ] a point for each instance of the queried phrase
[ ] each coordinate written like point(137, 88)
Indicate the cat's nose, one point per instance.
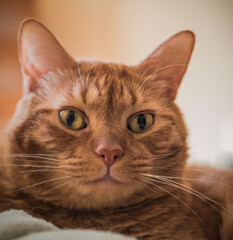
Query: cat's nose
point(109, 153)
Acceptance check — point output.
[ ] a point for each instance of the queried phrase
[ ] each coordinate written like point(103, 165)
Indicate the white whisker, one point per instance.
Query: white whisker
point(39, 170)
point(37, 184)
point(174, 197)
point(32, 156)
point(63, 184)
point(158, 70)
point(187, 189)
point(27, 165)
point(80, 75)
point(89, 72)
point(199, 180)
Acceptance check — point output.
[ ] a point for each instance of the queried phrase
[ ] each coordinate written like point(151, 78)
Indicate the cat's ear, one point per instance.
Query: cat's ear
point(170, 60)
point(39, 53)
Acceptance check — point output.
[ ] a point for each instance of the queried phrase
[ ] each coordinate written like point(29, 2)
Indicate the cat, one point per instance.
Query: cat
point(103, 146)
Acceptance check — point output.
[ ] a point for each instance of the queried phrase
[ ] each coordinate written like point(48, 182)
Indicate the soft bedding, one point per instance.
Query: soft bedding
point(18, 225)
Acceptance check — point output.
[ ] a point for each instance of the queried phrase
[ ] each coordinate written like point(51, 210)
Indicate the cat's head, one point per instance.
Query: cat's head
point(92, 131)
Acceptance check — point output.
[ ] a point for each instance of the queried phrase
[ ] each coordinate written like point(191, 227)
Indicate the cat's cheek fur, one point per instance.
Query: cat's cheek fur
point(41, 133)
point(40, 136)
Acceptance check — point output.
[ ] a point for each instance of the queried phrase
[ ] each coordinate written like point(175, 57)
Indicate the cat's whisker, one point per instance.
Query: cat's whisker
point(152, 66)
point(162, 156)
point(143, 83)
point(193, 170)
point(144, 73)
point(40, 170)
point(147, 181)
point(33, 160)
point(152, 183)
point(27, 165)
point(43, 182)
point(80, 75)
point(193, 192)
point(59, 186)
point(145, 185)
point(198, 180)
point(190, 179)
point(189, 190)
point(197, 194)
point(32, 156)
point(168, 154)
point(158, 70)
point(36, 162)
point(71, 185)
point(89, 72)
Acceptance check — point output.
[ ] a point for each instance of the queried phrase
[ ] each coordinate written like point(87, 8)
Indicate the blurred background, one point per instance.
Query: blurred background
point(127, 31)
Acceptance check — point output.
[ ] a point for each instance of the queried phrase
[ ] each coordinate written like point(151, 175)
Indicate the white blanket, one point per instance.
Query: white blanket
point(18, 225)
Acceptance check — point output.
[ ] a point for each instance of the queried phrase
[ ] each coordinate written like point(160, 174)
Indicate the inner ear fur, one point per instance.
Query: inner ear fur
point(39, 53)
point(170, 60)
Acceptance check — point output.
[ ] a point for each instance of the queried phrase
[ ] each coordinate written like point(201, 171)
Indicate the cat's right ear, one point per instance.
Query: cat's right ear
point(39, 53)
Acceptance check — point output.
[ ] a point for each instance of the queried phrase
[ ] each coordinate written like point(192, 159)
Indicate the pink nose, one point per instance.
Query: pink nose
point(109, 154)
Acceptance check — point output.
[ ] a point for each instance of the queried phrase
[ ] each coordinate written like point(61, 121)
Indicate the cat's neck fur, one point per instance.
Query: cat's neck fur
point(163, 215)
point(162, 218)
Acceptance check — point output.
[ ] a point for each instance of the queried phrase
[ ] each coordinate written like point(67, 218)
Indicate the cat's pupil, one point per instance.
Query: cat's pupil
point(141, 121)
point(70, 118)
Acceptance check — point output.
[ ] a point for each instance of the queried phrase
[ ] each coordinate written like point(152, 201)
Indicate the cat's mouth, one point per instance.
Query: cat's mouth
point(106, 179)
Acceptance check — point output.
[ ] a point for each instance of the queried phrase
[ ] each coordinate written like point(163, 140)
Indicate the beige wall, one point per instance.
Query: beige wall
point(127, 30)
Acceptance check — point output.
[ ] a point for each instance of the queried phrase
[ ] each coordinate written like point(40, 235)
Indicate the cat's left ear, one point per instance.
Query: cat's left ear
point(39, 53)
point(170, 60)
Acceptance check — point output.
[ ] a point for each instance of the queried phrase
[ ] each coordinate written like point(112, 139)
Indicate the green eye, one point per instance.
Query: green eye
point(72, 119)
point(141, 122)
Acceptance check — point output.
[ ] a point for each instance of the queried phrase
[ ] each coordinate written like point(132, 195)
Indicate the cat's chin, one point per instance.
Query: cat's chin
point(101, 193)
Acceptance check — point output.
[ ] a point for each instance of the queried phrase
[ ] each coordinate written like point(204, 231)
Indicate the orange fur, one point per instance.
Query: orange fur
point(55, 173)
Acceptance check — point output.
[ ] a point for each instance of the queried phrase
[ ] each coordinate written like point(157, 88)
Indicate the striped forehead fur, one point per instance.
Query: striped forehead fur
point(97, 83)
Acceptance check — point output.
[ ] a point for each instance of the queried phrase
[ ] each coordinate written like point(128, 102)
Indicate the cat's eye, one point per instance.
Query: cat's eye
point(72, 119)
point(141, 122)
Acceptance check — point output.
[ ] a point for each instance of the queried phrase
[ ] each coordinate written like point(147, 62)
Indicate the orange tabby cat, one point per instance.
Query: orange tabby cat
point(102, 146)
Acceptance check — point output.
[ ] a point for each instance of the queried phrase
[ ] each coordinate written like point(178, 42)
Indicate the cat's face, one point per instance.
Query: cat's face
point(92, 130)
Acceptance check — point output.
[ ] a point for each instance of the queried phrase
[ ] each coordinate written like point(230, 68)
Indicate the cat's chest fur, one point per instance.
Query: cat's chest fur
point(153, 219)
